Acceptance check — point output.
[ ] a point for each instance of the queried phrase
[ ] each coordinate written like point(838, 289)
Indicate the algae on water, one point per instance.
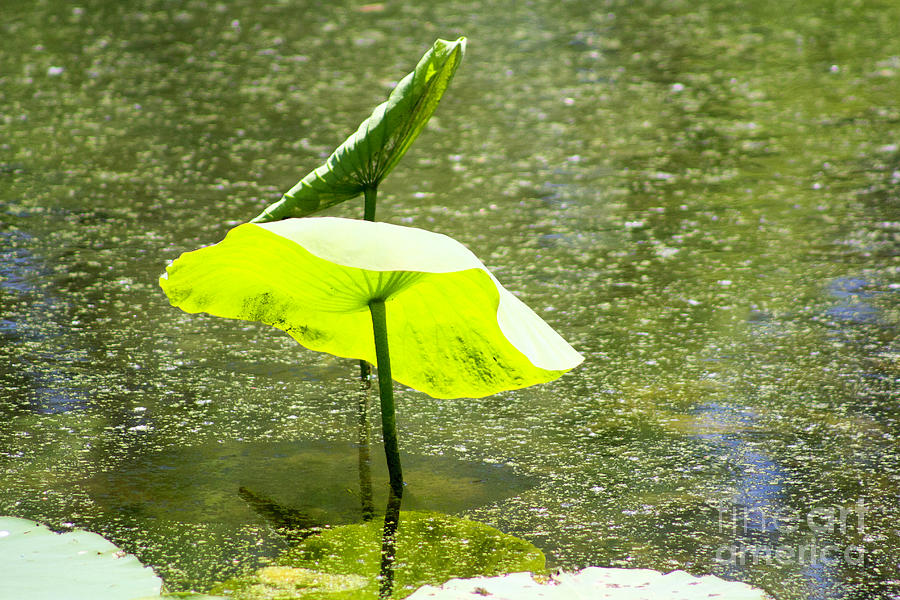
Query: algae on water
point(345, 562)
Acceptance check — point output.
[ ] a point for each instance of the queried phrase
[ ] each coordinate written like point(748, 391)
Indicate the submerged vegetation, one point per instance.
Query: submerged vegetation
point(431, 548)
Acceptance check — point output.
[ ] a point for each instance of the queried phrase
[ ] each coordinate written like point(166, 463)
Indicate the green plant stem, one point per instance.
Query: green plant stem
point(371, 194)
point(386, 391)
point(365, 371)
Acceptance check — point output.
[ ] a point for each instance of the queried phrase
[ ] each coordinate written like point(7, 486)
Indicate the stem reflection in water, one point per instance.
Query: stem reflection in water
point(389, 543)
point(365, 458)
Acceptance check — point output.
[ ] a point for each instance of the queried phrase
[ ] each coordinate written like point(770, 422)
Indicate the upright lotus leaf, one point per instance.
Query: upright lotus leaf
point(454, 331)
point(367, 156)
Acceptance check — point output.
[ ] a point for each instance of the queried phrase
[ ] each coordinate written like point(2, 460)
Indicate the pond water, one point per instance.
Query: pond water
point(702, 197)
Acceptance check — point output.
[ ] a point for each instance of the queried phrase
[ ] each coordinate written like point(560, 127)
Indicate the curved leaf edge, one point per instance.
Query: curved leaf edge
point(521, 332)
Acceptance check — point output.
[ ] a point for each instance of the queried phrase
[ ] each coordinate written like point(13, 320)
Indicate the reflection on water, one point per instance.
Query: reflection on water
point(758, 489)
point(318, 479)
point(389, 544)
point(756, 521)
point(296, 525)
point(293, 523)
point(424, 547)
point(364, 462)
point(35, 319)
point(702, 196)
point(851, 293)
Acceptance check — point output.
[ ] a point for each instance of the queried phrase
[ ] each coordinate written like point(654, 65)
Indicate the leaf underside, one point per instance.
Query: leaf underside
point(453, 330)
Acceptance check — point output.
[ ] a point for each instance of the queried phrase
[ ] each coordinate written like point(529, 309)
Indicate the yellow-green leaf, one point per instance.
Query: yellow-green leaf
point(453, 330)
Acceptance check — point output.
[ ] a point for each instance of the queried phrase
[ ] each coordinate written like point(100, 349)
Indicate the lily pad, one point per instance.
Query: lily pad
point(40, 564)
point(283, 582)
point(594, 582)
point(183, 596)
point(430, 548)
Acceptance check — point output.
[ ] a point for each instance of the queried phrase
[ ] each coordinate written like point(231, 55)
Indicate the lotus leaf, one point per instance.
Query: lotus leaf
point(454, 330)
point(40, 564)
point(367, 156)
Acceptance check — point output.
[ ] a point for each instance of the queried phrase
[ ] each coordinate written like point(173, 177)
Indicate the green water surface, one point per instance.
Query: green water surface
point(702, 196)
